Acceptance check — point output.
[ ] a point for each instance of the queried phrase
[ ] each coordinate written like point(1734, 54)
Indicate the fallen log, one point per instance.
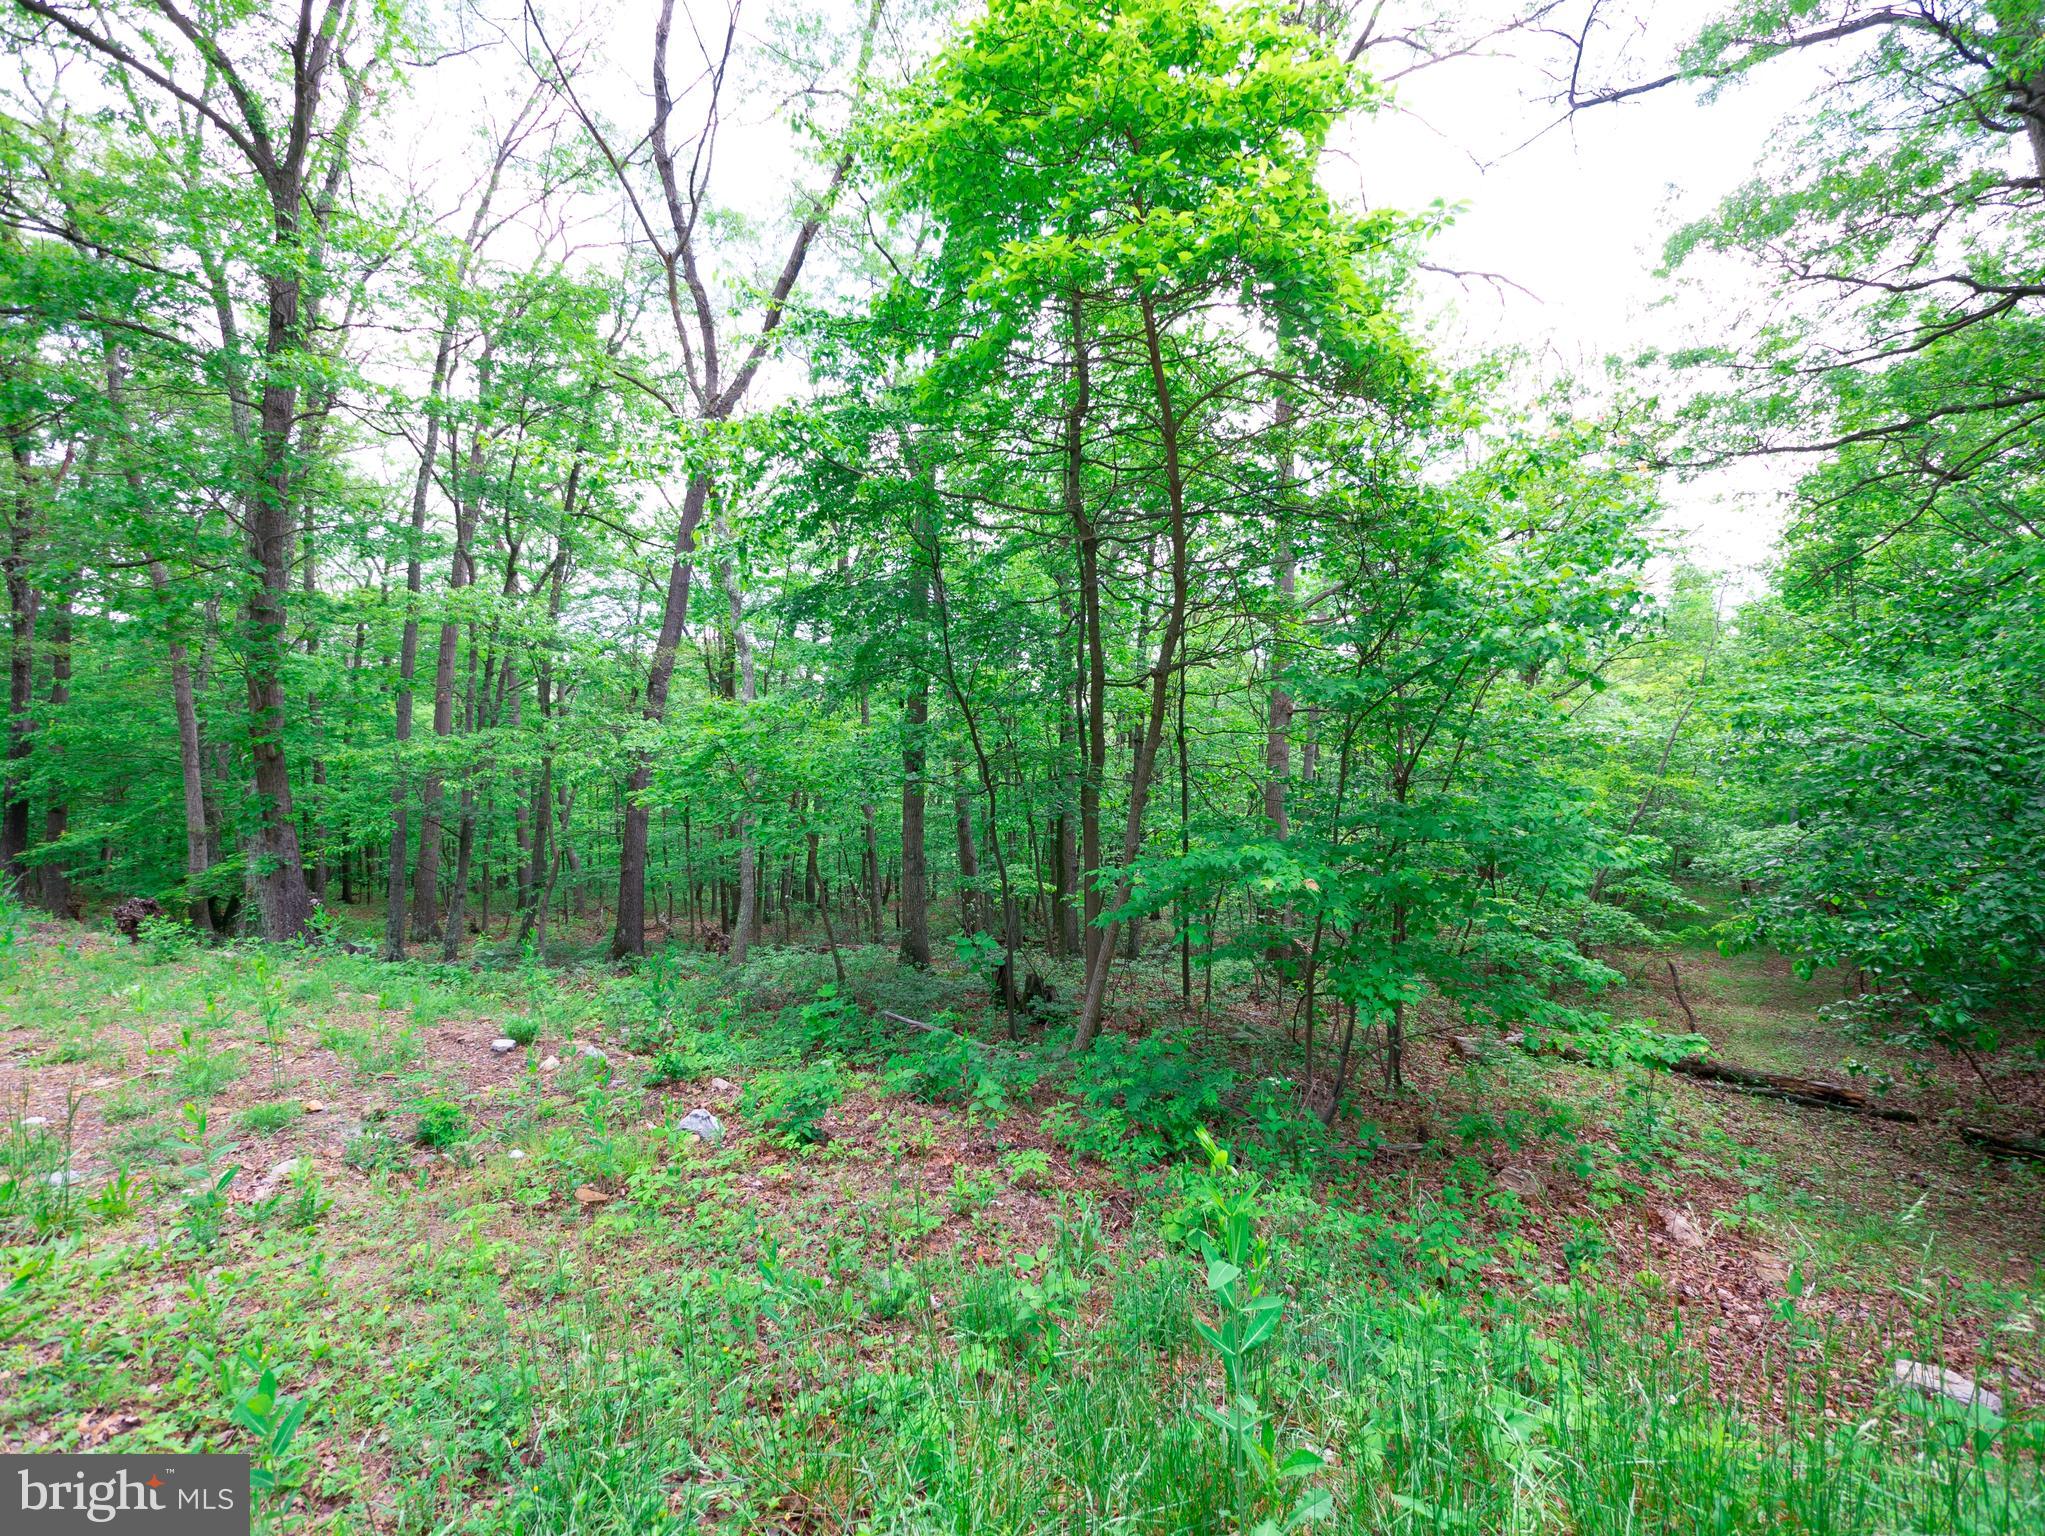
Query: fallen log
point(1815, 1092)
point(939, 1029)
point(1820, 1094)
point(2027, 1148)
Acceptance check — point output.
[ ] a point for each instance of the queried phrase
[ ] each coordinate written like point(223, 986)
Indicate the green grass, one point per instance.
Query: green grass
point(927, 1322)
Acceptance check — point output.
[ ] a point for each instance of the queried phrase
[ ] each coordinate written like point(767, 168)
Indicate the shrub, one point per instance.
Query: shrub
point(790, 1106)
point(273, 1116)
point(677, 1064)
point(442, 1124)
point(524, 1029)
point(1140, 1100)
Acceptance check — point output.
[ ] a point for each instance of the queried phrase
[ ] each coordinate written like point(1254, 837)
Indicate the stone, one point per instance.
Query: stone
point(589, 1194)
point(502, 1045)
point(277, 1175)
point(703, 1125)
point(1937, 1381)
point(593, 1053)
point(721, 1085)
point(551, 1064)
point(1525, 1183)
point(1681, 1230)
point(517, 1155)
point(35, 1122)
point(64, 1178)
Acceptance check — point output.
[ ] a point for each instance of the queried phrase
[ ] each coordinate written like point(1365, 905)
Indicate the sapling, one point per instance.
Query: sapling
point(1237, 1263)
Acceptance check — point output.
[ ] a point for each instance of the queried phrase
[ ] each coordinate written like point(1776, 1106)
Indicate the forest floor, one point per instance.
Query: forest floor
point(920, 1285)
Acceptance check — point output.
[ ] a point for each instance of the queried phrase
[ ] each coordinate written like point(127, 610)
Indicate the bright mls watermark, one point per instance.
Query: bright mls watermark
point(59, 1495)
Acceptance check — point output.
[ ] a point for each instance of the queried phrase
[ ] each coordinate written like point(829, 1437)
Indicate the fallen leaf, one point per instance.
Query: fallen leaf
point(589, 1194)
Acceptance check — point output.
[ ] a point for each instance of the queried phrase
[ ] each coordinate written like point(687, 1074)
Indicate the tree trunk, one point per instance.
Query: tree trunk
point(276, 872)
point(1160, 678)
point(1278, 725)
point(969, 860)
point(23, 602)
point(746, 927)
point(629, 936)
point(915, 900)
point(1087, 540)
point(53, 886)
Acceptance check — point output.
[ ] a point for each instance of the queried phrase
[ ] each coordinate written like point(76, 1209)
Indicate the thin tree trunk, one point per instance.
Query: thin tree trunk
point(915, 901)
point(1095, 999)
point(745, 929)
point(52, 884)
point(969, 860)
point(1087, 541)
point(23, 602)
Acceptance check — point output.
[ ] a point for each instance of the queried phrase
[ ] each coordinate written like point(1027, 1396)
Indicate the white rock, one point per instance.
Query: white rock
point(720, 1085)
point(516, 1155)
point(277, 1175)
point(1682, 1231)
point(64, 1178)
point(550, 1064)
point(1937, 1381)
point(503, 1044)
point(703, 1125)
point(1525, 1183)
point(594, 1053)
point(36, 1122)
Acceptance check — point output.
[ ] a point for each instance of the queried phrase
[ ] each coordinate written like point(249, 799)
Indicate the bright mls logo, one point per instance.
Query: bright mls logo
point(144, 1495)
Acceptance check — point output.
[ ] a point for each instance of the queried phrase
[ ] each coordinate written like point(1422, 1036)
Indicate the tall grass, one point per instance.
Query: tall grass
point(1436, 1414)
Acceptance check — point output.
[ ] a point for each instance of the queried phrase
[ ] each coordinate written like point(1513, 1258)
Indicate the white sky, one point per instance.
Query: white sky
point(1576, 218)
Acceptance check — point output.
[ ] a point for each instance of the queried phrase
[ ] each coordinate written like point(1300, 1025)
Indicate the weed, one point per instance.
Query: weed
point(1028, 1167)
point(790, 1106)
point(676, 1064)
point(1246, 1315)
point(442, 1124)
point(199, 1070)
point(269, 1118)
point(203, 1215)
point(522, 1029)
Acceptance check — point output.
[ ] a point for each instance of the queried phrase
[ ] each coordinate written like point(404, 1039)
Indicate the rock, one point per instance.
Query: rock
point(551, 1064)
point(64, 1178)
point(1525, 1183)
point(703, 1125)
point(502, 1045)
point(1937, 1381)
point(35, 1122)
point(516, 1155)
point(589, 1194)
point(594, 1053)
point(277, 1175)
point(720, 1085)
point(1681, 1230)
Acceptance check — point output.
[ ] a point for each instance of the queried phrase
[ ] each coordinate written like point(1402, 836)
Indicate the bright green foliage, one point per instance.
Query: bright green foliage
point(1882, 708)
point(790, 1106)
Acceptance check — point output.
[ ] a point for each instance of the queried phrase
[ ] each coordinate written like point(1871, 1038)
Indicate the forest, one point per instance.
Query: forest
point(881, 768)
